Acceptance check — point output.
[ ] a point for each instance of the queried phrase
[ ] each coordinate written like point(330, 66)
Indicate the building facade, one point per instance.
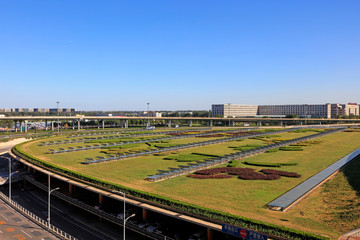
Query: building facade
point(339, 110)
point(302, 110)
point(234, 110)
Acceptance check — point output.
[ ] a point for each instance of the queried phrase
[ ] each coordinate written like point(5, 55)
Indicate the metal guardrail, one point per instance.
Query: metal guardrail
point(41, 222)
point(174, 172)
point(100, 213)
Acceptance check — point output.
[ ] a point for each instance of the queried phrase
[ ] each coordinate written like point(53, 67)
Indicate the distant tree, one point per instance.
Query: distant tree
point(292, 116)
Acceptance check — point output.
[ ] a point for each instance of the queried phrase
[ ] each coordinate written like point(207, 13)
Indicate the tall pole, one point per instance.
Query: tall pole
point(9, 178)
point(124, 221)
point(50, 191)
point(58, 115)
point(148, 123)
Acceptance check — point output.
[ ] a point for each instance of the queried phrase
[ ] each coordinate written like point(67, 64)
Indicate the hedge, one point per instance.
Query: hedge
point(190, 209)
point(267, 164)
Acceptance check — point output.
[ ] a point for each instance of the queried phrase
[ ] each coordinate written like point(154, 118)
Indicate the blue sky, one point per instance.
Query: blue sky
point(119, 55)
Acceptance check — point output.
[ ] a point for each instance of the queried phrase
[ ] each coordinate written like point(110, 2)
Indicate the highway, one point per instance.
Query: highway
point(77, 223)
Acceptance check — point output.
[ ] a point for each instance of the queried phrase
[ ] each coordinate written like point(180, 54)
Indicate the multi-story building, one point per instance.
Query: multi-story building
point(338, 110)
point(302, 110)
point(234, 110)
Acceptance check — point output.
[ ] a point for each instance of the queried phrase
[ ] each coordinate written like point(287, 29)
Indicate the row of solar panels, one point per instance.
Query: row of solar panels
point(96, 146)
point(174, 172)
point(150, 133)
point(110, 137)
point(183, 146)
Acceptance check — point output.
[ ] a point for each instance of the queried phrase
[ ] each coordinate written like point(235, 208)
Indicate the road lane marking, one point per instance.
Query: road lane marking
point(26, 233)
point(4, 216)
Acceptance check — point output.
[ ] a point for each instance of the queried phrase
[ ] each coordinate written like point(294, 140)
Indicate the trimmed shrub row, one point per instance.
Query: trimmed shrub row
point(201, 212)
point(266, 164)
point(280, 173)
point(258, 176)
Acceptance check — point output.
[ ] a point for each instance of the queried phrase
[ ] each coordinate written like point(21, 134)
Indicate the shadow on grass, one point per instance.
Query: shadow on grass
point(352, 174)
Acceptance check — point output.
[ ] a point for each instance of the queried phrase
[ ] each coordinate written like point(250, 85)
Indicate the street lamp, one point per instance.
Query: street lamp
point(125, 219)
point(132, 215)
point(49, 193)
point(148, 122)
point(58, 115)
point(10, 174)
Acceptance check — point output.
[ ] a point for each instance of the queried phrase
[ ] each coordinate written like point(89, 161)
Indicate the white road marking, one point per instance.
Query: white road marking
point(26, 233)
point(4, 216)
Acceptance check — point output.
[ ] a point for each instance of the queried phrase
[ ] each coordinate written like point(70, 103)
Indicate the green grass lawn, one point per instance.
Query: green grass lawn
point(240, 197)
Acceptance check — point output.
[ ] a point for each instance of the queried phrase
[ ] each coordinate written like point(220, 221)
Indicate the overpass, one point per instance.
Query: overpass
point(169, 120)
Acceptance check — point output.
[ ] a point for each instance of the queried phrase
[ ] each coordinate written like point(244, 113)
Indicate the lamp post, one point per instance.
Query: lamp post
point(10, 174)
point(125, 219)
point(58, 115)
point(148, 122)
point(132, 215)
point(49, 193)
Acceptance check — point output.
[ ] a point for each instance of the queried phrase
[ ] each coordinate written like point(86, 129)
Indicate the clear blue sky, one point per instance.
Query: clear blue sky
point(119, 55)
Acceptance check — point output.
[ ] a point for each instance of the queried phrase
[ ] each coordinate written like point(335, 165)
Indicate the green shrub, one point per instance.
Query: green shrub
point(233, 163)
point(272, 150)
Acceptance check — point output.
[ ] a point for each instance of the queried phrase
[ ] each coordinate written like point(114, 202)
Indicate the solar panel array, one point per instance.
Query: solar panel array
point(59, 142)
point(97, 146)
point(174, 172)
point(183, 146)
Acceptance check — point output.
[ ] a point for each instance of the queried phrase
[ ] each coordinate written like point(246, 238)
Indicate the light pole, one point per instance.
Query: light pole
point(148, 122)
point(49, 193)
point(58, 115)
point(10, 174)
point(132, 215)
point(124, 216)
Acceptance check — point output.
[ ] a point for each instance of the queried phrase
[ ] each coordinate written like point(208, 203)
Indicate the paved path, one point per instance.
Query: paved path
point(6, 146)
point(15, 226)
point(353, 235)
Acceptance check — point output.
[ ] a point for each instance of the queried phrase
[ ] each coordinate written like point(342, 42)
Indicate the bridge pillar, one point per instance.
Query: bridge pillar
point(52, 125)
point(25, 123)
point(233, 123)
point(210, 234)
point(145, 214)
point(16, 129)
point(169, 123)
point(211, 123)
point(79, 127)
point(101, 199)
point(21, 126)
point(71, 189)
point(190, 123)
point(103, 123)
point(98, 124)
point(260, 123)
point(126, 123)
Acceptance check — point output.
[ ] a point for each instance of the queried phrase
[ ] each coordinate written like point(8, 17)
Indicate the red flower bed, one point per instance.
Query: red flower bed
point(258, 176)
point(229, 170)
point(281, 173)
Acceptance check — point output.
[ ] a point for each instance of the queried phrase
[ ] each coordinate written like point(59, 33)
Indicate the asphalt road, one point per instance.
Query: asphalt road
point(76, 222)
point(15, 226)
